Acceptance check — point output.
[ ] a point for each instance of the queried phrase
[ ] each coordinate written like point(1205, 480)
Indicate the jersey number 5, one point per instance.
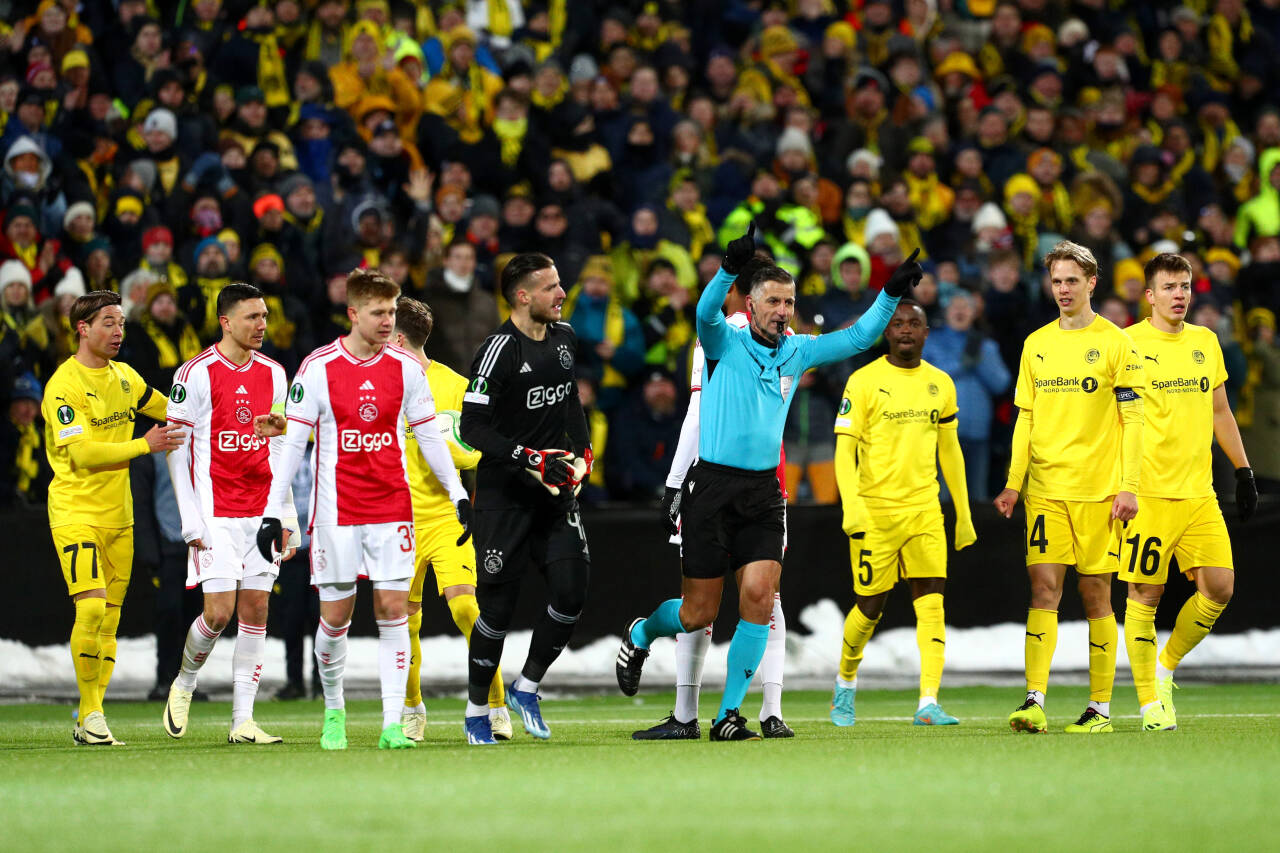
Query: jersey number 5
point(74, 551)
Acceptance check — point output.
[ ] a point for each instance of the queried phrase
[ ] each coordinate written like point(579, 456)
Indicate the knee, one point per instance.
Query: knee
point(1219, 587)
point(871, 606)
point(414, 608)
point(756, 600)
point(1045, 593)
point(1095, 593)
point(1146, 593)
point(216, 616)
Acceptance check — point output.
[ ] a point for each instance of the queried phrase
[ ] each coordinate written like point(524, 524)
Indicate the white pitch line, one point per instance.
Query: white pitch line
point(639, 720)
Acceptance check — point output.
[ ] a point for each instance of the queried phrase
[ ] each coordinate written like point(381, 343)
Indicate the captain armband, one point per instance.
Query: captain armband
point(1126, 395)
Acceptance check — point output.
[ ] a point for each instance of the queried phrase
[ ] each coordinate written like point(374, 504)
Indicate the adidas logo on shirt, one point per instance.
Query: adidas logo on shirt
point(525, 368)
point(367, 386)
point(241, 390)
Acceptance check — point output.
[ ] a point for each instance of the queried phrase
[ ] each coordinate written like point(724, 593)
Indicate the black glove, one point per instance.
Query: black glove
point(1246, 493)
point(271, 539)
point(465, 516)
point(904, 278)
point(739, 251)
point(553, 469)
point(671, 510)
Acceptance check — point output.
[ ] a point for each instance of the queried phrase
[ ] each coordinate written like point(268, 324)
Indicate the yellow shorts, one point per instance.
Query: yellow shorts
point(898, 547)
point(439, 551)
point(1073, 533)
point(95, 558)
point(1190, 531)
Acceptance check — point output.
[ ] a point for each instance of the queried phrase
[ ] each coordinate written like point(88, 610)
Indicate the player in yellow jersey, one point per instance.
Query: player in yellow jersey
point(89, 408)
point(1078, 442)
point(897, 415)
point(1185, 406)
point(437, 529)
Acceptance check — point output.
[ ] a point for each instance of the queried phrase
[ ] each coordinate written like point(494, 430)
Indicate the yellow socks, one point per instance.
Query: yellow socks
point(931, 637)
point(857, 631)
point(1195, 620)
point(1140, 642)
point(1102, 657)
point(1042, 640)
point(107, 644)
point(86, 652)
point(413, 687)
point(465, 611)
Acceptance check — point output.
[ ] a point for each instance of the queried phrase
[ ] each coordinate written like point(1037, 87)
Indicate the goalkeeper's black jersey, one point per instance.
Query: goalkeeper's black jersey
point(521, 393)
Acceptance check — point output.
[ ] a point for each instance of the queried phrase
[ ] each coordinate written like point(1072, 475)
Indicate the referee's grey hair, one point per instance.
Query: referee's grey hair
point(766, 274)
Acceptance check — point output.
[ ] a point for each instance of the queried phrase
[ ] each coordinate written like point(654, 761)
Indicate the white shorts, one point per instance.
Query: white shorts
point(345, 553)
point(231, 554)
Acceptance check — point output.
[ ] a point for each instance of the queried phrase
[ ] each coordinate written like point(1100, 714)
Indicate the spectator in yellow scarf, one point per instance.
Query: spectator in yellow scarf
point(327, 33)
point(931, 198)
point(779, 55)
point(167, 339)
point(1021, 194)
point(367, 72)
point(463, 92)
point(685, 200)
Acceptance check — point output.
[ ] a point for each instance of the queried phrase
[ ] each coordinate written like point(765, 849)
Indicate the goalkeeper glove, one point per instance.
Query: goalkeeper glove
point(582, 467)
point(551, 468)
point(739, 251)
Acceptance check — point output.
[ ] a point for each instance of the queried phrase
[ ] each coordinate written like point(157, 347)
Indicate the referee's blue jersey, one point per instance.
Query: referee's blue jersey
point(747, 386)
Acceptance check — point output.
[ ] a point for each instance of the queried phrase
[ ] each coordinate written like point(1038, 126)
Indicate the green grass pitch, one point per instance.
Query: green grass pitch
point(880, 785)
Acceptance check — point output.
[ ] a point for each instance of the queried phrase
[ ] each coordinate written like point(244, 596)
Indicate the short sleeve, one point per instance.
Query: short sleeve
point(849, 415)
point(185, 397)
point(303, 404)
point(948, 414)
point(419, 406)
point(1024, 395)
point(65, 411)
point(1130, 373)
point(699, 365)
point(279, 389)
point(1221, 375)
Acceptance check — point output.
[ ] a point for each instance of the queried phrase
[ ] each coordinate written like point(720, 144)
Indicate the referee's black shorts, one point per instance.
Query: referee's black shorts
point(729, 517)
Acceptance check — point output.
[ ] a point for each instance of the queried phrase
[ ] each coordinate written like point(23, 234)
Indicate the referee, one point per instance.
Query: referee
point(731, 505)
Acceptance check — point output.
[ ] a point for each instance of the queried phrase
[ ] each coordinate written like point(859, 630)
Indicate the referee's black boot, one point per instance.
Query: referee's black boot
point(732, 727)
point(630, 662)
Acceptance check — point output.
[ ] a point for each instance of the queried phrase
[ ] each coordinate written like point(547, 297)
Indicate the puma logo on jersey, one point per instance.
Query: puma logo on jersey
point(88, 394)
point(1101, 646)
point(1154, 358)
point(886, 393)
point(1040, 356)
point(525, 368)
point(367, 386)
point(241, 390)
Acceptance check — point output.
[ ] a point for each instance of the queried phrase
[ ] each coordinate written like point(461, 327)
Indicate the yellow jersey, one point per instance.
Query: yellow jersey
point(1183, 370)
point(1072, 382)
point(93, 404)
point(894, 415)
point(430, 500)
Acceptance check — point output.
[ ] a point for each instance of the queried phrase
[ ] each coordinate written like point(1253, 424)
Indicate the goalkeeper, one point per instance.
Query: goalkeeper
point(520, 405)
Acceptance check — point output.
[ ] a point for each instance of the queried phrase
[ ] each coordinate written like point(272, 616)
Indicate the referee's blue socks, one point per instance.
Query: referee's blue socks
point(745, 651)
point(663, 622)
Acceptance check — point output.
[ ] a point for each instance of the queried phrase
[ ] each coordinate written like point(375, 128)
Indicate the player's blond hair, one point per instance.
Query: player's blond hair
point(366, 285)
point(1069, 251)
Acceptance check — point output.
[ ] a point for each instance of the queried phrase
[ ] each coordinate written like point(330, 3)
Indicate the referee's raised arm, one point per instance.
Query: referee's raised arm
point(713, 331)
point(862, 335)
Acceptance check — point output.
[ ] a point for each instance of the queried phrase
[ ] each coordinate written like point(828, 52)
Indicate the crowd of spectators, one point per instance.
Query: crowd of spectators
point(165, 149)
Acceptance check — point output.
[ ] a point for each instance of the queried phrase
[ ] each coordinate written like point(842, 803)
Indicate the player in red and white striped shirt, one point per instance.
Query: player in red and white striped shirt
point(225, 396)
point(356, 393)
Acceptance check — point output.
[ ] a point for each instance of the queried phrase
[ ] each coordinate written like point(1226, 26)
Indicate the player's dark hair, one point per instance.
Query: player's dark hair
point(87, 307)
point(414, 320)
point(759, 261)
point(518, 270)
point(364, 285)
point(1166, 262)
point(235, 293)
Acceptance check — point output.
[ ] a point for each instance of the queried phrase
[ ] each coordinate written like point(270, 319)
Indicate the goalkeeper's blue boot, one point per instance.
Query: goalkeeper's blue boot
point(479, 732)
point(525, 703)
